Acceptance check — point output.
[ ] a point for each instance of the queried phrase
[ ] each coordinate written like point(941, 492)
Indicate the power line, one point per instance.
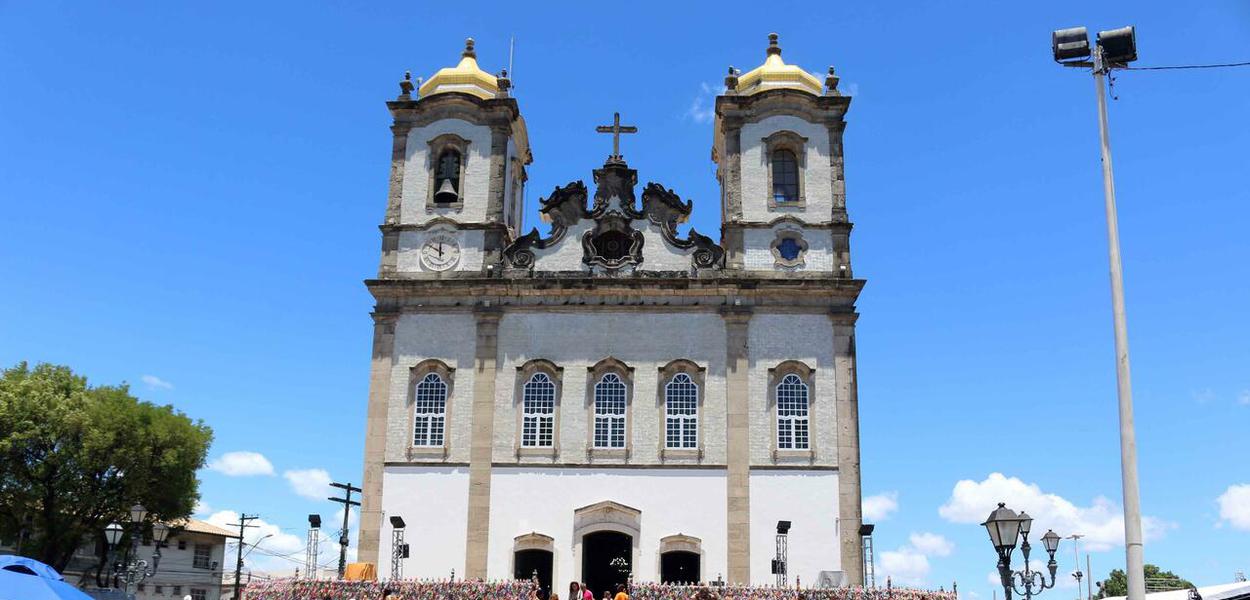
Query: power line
point(1178, 67)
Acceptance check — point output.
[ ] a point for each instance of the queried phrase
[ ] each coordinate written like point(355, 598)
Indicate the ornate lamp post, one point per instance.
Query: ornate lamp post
point(1004, 527)
point(135, 570)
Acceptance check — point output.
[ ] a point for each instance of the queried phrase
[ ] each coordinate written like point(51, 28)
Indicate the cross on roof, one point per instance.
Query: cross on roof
point(616, 129)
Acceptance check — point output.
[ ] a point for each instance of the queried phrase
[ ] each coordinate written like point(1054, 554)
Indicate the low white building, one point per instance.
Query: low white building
point(191, 564)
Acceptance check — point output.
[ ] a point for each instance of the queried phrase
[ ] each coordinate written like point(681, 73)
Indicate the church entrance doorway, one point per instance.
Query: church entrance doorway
point(607, 559)
point(679, 566)
point(528, 562)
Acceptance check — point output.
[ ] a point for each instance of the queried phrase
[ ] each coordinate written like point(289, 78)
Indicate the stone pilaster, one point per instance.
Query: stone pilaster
point(485, 373)
point(738, 445)
point(846, 403)
point(375, 436)
point(394, 197)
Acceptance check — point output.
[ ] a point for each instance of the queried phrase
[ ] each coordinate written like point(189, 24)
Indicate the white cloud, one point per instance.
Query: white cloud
point(268, 548)
point(1102, 522)
point(931, 544)
point(242, 464)
point(201, 508)
point(313, 484)
point(879, 507)
point(1235, 506)
point(905, 566)
point(156, 383)
point(703, 107)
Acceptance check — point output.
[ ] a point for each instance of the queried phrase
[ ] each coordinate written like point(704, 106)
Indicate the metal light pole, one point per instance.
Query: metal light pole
point(1076, 560)
point(1114, 48)
point(1005, 527)
point(135, 570)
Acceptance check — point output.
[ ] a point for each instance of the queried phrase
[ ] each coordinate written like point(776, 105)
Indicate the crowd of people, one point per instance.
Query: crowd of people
point(524, 589)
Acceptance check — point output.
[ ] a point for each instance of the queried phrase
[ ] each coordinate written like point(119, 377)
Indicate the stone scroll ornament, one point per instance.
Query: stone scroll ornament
point(665, 209)
point(565, 206)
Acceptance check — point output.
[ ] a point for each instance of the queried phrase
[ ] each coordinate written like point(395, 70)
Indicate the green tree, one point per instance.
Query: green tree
point(1156, 580)
point(73, 458)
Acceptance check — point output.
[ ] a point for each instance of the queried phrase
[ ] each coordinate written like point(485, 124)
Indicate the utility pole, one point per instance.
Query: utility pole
point(347, 503)
point(238, 565)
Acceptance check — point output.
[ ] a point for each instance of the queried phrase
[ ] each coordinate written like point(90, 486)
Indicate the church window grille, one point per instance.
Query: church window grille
point(610, 412)
point(792, 424)
point(447, 169)
point(430, 411)
point(681, 406)
point(785, 177)
point(538, 407)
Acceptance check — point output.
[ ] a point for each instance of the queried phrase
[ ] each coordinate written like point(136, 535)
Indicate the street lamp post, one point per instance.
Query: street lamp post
point(1005, 527)
point(1114, 49)
point(135, 569)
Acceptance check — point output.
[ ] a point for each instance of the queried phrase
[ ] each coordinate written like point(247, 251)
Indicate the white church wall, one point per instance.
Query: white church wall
point(471, 244)
point(451, 338)
point(817, 186)
point(759, 253)
point(417, 172)
point(809, 500)
point(542, 500)
point(657, 254)
point(774, 338)
point(579, 340)
point(431, 500)
point(566, 255)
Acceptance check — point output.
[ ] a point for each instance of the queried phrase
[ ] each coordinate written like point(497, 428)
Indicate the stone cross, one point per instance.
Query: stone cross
point(616, 129)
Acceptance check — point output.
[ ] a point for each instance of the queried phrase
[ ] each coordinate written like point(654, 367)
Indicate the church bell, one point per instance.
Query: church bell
point(446, 193)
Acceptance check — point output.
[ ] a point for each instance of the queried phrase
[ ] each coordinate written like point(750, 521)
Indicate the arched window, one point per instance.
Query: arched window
point(681, 412)
point(792, 430)
point(538, 408)
point(429, 411)
point(610, 412)
point(785, 177)
point(447, 170)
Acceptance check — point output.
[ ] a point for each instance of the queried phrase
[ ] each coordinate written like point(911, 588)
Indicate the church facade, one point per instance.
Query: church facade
point(614, 398)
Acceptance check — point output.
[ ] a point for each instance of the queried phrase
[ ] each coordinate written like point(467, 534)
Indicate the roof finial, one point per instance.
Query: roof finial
point(468, 49)
point(773, 48)
point(731, 81)
point(406, 87)
point(831, 83)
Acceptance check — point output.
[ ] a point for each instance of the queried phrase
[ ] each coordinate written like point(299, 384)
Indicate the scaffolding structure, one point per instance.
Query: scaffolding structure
point(870, 569)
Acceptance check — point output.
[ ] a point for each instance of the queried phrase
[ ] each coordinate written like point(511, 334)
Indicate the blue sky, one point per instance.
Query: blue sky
point(190, 197)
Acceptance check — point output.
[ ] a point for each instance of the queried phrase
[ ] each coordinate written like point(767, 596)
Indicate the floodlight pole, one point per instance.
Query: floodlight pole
point(1124, 389)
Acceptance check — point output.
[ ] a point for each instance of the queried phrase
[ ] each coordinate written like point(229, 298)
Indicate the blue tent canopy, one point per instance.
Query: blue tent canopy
point(23, 578)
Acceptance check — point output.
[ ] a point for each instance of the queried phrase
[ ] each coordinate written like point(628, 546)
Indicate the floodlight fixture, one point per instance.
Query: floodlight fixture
point(314, 521)
point(866, 529)
point(1119, 46)
point(783, 527)
point(1070, 45)
point(397, 522)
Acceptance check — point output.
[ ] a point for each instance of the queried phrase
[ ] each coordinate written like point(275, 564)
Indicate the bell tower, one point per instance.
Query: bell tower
point(778, 149)
point(458, 170)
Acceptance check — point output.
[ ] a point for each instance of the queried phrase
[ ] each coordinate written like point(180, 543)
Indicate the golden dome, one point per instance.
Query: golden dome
point(775, 74)
point(466, 78)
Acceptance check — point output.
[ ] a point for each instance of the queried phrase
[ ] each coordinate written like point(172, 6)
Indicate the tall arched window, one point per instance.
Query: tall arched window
point(681, 412)
point(538, 408)
point(785, 176)
point(792, 430)
point(610, 412)
point(447, 171)
point(429, 411)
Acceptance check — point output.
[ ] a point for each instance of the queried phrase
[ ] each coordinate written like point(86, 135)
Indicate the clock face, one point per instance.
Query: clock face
point(440, 252)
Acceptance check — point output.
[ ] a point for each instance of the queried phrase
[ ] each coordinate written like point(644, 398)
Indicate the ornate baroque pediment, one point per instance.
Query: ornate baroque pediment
point(612, 242)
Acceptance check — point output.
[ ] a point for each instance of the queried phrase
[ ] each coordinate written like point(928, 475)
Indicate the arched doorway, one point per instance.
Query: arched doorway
point(607, 559)
point(679, 567)
point(527, 562)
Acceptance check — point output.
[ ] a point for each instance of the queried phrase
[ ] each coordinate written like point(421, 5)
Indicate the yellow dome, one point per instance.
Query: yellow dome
point(466, 78)
point(775, 74)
